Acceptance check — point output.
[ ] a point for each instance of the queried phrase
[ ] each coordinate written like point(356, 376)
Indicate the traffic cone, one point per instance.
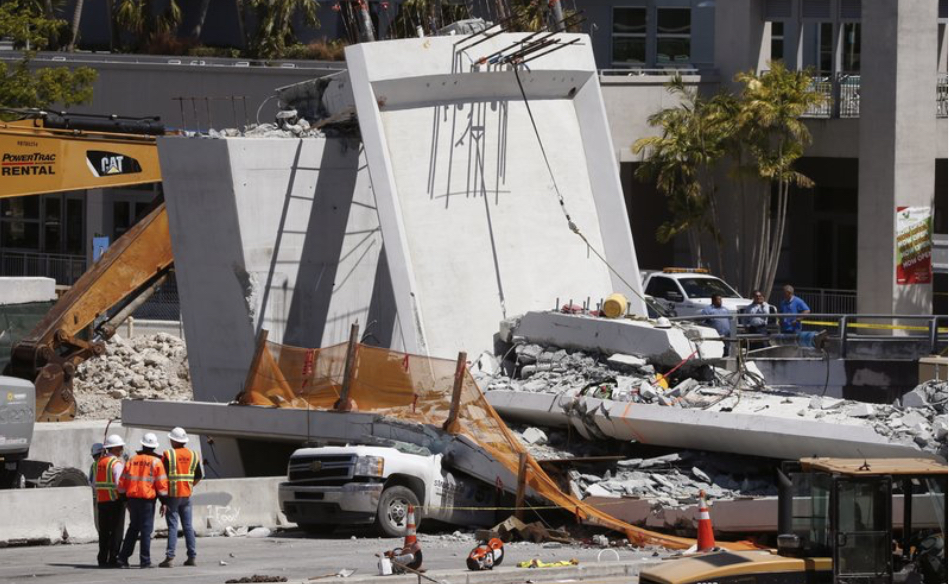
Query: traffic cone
point(706, 539)
point(411, 541)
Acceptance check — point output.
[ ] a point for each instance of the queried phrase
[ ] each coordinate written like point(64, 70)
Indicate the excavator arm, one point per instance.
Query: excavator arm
point(58, 152)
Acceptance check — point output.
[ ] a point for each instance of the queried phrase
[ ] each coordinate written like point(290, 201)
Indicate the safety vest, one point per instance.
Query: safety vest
point(144, 478)
point(182, 463)
point(107, 488)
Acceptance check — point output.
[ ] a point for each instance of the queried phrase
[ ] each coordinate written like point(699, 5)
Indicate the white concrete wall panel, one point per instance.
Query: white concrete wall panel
point(467, 206)
point(280, 234)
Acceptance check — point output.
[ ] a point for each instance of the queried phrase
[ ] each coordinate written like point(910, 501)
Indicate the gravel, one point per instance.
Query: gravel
point(152, 367)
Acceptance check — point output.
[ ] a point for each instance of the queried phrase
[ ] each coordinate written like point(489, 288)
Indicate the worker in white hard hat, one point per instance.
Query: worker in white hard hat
point(183, 466)
point(96, 452)
point(110, 505)
point(143, 482)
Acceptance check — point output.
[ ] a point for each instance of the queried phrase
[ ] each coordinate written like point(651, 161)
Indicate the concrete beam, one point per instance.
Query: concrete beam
point(666, 346)
point(782, 438)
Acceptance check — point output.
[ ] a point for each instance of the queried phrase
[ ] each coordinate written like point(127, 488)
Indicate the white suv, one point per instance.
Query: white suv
point(687, 291)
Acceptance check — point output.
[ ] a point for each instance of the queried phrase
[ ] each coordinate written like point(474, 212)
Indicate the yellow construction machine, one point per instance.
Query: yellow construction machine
point(835, 525)
point(44, 152)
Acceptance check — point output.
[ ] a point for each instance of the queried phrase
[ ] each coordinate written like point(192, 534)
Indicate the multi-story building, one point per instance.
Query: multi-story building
point(879, 142)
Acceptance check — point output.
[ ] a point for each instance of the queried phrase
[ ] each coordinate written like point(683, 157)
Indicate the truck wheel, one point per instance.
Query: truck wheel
point(11, 479)
point(392, 514)
point(317, 528)
point(61, 476)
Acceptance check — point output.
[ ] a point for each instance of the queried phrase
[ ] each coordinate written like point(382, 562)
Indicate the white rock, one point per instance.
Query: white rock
point(598, 491)
point(860, 410)
point(259, 532)
point(619, 359)
point(535, 436)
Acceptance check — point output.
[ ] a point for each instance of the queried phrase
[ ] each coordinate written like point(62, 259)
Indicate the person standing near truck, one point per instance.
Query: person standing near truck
point(719, 320)
point(184, 472)
point(109, 503)
point(792, 305)
point(143, 482)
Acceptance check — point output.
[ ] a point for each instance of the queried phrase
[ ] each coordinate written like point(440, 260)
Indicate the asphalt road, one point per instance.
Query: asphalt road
point(288, 553)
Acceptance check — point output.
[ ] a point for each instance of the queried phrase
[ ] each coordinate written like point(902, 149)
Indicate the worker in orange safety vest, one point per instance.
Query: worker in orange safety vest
point(143, 482)
point(183, 466)
point(109, 503)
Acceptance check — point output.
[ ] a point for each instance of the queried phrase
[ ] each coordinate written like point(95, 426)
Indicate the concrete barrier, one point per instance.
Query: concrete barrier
point(68, 443)
point(64, 515)
point(45, 516)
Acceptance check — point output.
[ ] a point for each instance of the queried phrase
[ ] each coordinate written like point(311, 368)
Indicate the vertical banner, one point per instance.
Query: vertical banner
point(914, 245)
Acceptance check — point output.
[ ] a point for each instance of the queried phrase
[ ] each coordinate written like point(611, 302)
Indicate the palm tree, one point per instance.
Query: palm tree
point(74, 28)
point(145, 19)
point(681, 160)
point(771, 131)
point(275, 24)
point(202, 15)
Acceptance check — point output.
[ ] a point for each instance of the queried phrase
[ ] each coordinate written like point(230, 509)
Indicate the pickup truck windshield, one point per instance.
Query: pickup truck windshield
point(705, 287)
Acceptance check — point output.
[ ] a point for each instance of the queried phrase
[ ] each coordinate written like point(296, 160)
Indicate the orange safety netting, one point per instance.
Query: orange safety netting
point(417, 389)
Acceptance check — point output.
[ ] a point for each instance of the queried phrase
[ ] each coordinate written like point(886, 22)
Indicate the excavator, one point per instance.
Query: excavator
point(47, 152)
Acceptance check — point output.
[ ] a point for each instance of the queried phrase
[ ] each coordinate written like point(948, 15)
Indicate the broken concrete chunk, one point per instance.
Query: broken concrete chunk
point(535, 436)
point(598, 491)
point(915, 399)
point(619, 359)
point(860, 410)
point(700, 475)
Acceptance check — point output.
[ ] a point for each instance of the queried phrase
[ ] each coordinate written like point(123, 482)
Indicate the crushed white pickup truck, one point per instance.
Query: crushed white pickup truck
point(373, 485)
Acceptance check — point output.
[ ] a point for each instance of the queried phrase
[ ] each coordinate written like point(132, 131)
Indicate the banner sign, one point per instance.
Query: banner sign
point(914, 245)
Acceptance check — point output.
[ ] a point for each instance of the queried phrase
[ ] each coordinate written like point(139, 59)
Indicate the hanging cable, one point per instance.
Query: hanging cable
point(563, 205)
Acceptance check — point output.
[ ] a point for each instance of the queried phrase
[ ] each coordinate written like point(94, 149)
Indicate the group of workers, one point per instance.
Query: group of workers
point(138, 485)
point(756, 319)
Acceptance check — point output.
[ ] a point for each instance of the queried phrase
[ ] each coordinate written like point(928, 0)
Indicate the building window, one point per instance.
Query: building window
point(673, 36)
point(20, 223)
point(777, 41)
point(826, 47)
point(851, 57)
point(629, 36)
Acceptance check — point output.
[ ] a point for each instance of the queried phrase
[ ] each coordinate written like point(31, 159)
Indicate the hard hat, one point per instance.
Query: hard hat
point(97, 449)
point(178, 435)
point(150, 440)
point(113, 441)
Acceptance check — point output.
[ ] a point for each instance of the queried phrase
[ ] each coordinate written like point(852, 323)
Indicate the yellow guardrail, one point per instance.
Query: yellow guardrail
point(865, 325)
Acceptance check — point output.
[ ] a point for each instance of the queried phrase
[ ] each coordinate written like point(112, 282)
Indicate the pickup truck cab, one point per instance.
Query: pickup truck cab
point(686, 291)
point(374, 485)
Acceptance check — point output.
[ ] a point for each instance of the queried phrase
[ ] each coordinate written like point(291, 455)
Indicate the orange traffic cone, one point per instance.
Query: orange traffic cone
point(411, 541)
point(706, 539)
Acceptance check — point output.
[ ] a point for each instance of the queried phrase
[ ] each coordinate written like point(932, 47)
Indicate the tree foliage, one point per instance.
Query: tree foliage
point(147, 19)
point(275, 21)
point(21, 84)
point(693, 139)
point(759, 132)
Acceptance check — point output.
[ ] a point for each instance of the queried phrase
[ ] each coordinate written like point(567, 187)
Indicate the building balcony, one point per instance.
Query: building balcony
point(842, 96)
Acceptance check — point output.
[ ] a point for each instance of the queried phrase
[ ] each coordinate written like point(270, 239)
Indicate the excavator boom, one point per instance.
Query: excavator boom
point(49, 153)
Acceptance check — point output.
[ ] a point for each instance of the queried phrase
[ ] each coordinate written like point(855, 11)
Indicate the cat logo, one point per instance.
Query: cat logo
point(104, 164)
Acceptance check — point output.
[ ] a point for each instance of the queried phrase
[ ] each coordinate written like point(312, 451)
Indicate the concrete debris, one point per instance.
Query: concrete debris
point(301, 129)
point(259, 532)
point(153, 367)
point(255, 578)
point(534, 436)
point(574, 375)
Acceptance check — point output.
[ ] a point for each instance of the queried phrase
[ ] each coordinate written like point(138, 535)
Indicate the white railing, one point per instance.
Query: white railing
point(824, 300)
point(63, 268)
point(842, 96)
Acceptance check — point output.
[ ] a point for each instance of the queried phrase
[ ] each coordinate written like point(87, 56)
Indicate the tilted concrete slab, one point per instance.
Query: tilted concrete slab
point(272, 233)
point(739, 433)
point(300, 426)
point(473, 227)
point(666, 346)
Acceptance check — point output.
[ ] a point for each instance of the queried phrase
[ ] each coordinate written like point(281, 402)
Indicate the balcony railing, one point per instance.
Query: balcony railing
point(842, 96)
point(65, 269)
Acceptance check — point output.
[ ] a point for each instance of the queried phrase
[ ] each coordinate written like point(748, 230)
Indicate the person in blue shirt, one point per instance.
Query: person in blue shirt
point(722, 325)
point(792, 305)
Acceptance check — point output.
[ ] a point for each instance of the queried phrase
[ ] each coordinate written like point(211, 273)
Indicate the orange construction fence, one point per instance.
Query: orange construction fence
point(412, 388)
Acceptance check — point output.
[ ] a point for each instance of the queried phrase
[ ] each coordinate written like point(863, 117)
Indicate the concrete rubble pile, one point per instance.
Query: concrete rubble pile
point(671, 480)
point(918, 422)
point(152, 366)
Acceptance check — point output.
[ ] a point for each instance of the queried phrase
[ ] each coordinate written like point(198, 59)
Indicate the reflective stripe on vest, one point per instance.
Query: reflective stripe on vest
point(182, 465)
point(106, 486)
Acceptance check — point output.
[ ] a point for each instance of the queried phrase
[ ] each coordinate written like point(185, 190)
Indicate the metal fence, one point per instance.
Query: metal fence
point(163, 305)
point(842, 96)
point(942, 96)
point(65, 269)
point(824, 300)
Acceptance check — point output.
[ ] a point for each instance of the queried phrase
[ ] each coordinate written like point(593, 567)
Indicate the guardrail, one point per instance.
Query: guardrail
point(638, 72)
point(825, 300)
point(845, 329)
point(842, 96)
point(63, 268)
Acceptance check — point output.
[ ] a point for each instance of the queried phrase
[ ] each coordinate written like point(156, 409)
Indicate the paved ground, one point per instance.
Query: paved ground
point(287, 553)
